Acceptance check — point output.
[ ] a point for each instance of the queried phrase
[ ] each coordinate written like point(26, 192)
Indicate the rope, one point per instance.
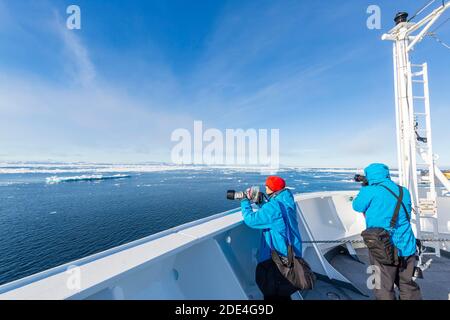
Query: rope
point(433, 33)
point(422, 10)
point(440, 41)
point(440, 26)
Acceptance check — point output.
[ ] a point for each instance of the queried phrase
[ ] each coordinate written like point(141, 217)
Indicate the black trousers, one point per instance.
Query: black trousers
point(401, 276)
point(272, 283)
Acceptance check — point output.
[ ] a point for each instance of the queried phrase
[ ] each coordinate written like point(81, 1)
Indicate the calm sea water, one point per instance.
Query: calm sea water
point(47, 222)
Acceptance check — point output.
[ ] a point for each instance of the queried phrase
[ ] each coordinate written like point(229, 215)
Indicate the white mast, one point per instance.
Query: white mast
point(411, 140)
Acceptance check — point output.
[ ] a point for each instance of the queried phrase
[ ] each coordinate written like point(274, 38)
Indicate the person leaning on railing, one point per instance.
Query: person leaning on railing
point(272, 218)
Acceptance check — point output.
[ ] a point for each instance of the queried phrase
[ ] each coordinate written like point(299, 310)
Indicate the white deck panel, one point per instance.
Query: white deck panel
point(94, 273)
point(210, 228)
point(181, 262)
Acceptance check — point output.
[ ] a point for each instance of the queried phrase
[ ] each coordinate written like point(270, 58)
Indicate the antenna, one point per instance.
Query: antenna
point(412, 141)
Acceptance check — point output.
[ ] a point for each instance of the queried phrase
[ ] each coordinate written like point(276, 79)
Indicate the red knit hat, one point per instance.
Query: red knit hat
point(275, 183)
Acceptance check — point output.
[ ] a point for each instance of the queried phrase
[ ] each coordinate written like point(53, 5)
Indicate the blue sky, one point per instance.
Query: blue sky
point(137, 70)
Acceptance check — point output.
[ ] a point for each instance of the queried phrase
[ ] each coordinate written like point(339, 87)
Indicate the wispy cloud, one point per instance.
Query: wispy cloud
point(85, 117)
point(40, 120)
point(262, 64)
point(84, 70)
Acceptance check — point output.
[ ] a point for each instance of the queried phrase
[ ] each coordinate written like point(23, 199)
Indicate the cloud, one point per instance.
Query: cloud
point(255, 63)
point(76, 60)
point(37, 118)
point(84, 71)
point(85, 116)
point(260, 66)
point(374, 142)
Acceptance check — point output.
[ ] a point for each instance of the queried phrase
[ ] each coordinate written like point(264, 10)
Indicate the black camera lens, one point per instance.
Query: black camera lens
point(230, 194)
point(362, 179)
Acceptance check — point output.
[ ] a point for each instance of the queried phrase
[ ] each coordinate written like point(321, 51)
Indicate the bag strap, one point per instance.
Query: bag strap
point(397, 206)
point(403, 205)
point(288, 237)
point(286, 223)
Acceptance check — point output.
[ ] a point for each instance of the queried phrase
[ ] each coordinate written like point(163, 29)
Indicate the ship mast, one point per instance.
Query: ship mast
point(414, 144)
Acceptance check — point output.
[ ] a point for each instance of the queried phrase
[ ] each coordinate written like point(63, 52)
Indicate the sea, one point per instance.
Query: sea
point(52, 213)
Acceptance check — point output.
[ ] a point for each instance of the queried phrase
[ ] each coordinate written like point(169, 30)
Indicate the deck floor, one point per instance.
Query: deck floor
point(434, 286)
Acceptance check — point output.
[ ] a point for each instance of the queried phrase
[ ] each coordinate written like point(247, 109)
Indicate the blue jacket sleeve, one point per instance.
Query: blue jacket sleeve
point(362, 201)
point(261, 219)
point(407, 200)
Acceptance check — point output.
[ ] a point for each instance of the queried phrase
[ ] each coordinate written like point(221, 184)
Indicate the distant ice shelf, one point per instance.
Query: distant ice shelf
point(56, 179)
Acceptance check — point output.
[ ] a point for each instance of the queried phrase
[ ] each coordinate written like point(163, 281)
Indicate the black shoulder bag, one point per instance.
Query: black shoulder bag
point(296, 270)
point(284, 275)
point(379, 240)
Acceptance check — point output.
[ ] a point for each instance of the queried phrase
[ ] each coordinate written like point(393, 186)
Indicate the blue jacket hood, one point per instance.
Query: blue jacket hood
point(377, 173)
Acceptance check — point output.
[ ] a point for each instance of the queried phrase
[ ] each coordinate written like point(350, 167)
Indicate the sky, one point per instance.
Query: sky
point(137, 70)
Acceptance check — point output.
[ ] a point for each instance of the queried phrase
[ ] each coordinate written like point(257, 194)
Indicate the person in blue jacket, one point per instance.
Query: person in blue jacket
point(378, 206)
point(272, 218)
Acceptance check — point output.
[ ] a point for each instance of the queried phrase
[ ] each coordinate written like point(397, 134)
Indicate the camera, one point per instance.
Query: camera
point(362, 179)
point(235, 195)
point(253, 194)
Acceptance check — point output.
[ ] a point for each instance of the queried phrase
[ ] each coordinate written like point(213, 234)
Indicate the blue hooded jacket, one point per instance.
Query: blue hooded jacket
point(379, 205)
point(269, 218)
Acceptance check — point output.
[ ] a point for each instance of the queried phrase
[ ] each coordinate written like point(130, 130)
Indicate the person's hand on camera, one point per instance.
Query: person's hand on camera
point(252, 194)
point(248, 193)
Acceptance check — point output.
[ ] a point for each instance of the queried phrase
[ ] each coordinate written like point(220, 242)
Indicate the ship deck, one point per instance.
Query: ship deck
point(215, 258)
point(435, 284)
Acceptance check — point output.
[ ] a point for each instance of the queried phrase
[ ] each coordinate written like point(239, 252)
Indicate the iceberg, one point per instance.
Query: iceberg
point(56, 179)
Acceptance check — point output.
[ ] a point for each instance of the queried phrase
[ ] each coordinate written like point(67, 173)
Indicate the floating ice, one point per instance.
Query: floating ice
point(348, 180)
point(95, 177)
